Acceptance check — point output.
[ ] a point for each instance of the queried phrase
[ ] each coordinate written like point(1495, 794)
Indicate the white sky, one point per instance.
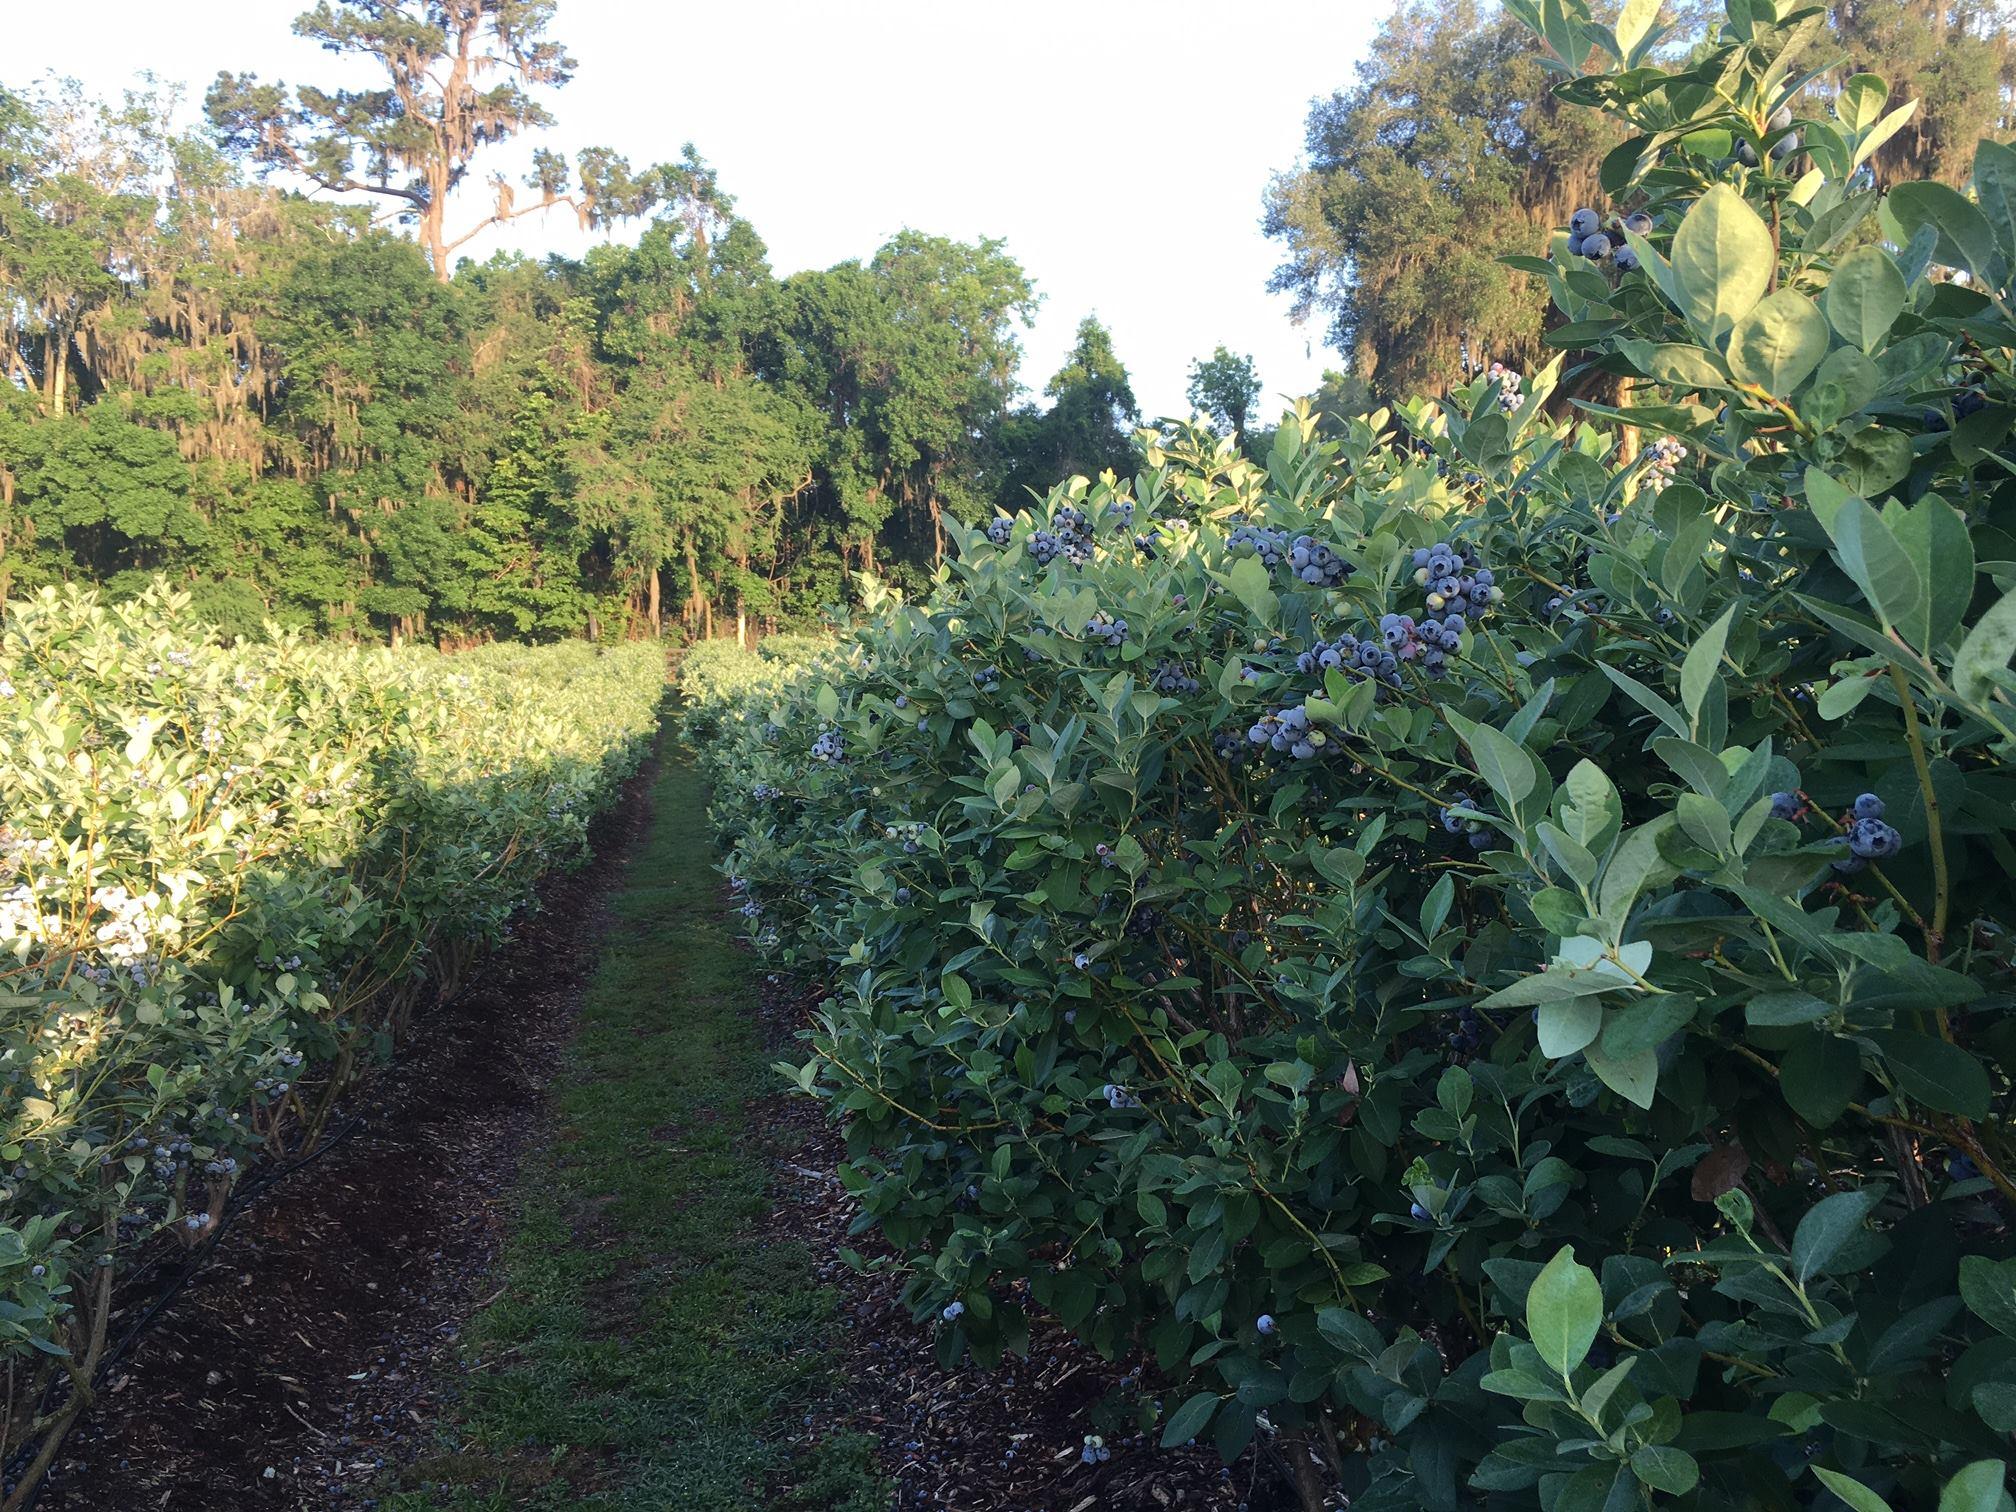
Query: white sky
point(1119, 146)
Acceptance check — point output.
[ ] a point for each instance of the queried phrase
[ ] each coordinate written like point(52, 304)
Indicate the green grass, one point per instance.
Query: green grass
point(650, 1350)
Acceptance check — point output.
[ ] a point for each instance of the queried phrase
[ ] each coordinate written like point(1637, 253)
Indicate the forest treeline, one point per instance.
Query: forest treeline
point(259, 358)
point(274, 402)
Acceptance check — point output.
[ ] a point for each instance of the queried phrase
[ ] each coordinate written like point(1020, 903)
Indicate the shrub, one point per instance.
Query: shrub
point(1555, 972)
point(228, 873)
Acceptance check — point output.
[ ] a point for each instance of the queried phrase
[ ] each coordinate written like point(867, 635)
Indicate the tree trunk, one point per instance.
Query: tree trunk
point(657, 620)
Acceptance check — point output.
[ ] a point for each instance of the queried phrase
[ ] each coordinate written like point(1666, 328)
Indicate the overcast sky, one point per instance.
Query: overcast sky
point(1120, 147)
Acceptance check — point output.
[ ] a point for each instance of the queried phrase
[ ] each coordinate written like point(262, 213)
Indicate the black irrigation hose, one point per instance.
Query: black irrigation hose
point(239, 1202)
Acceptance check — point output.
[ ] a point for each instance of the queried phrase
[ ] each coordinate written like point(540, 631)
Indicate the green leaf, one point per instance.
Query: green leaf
point(1633, 22)
point(1934, 535)
point(1253, 587)
point(1187, 1421)
point(1682, 366)
point(1634, 1077)
point(1779, 343)
point(1934, 1073)
point(1667, 1469)
point(1645, 1024)
point(1864, 297)
point(1774, 1009)
point(1858, 1496)
point(1819, 1077)
point(1722, 261)
point(1501, 761)
point(1828, 1225)
point(1568, 1024)
point(1876, 460)
point(1703, 664)
point(1986, 651)
point(1564, 1309)
point(1977, 1488)
point(1995, 190)
point(1877, 561)
point(1647, 699)
point(1988, 1287)
point(1965, 238)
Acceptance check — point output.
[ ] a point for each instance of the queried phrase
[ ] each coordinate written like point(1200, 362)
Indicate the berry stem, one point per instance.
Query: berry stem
point(1935, 834)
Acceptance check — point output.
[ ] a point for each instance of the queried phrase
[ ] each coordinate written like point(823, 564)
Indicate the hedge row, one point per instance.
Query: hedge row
point(1479, 950)
point(228, 874)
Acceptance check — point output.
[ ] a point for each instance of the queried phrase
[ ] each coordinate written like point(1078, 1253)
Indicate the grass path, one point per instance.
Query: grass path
point(648, 1347)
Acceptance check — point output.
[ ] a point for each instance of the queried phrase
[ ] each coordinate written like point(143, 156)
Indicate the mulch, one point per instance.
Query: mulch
point(973, 1439)
point(306, 1356)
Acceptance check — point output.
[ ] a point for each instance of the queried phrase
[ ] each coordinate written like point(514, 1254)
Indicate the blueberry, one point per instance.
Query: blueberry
point(1872, 840)
point(1638, 223)
point(1265, 1323)
point(953, 1311)
point(1583, 222)
point(1421, 1214)
point(1868, 806)
point(1785, 805)
point(1626, 261)
point(1596, 247)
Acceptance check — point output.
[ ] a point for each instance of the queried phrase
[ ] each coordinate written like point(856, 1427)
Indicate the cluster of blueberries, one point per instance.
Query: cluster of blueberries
point(1271, 546)
point(1143, 922)
point(1354, 657)
point(1784, 147)
point(1430, 641)
point(1587, 238)
point(999, 529)
point(1103, 627)
point(910, 834)
point(1308, 559)
point(987, 679)
point(763, 792)
point(1972, 402)
point(1870, 838)
point(1118, 1097)
point(1454, 580)
point(1095, 1450)
point(1469, 1031)
point(1507, 383)
point(1173, 677)
point(1316, 564)
point(1069, 536)
point(1288, 732)
point(1476, 831)
point(1662, 460)
point(830, 746)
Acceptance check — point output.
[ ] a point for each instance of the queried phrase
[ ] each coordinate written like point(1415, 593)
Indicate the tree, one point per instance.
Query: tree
point(1954, 57)
point(1449, 153)
point(1086, 431)
point(1225, 388)
point(416, 140)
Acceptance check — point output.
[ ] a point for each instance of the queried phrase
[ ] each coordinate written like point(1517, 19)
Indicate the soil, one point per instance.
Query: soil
point(303, 1357)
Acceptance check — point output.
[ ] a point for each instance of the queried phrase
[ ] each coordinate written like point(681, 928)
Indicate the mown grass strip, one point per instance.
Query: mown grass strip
point(651, 1348)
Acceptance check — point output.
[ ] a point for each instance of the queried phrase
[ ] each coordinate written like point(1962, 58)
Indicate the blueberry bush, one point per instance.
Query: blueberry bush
point(1480, 951)
point(228, 876)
